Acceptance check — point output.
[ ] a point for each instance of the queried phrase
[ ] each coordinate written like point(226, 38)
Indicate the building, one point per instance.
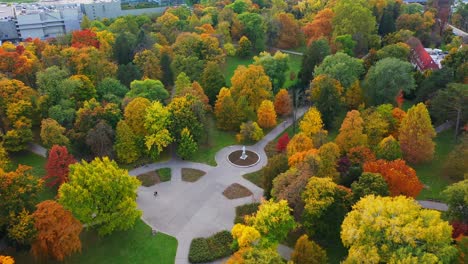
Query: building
point(100, 10)
point(419, 57)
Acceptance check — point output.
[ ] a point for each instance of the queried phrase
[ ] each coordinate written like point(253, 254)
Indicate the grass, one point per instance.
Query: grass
point(137, 245)
point(295, 62)
point(235, 191)
point(231, 65)
point(431, 174)
point(215, 140)
point(165, 155)
point(192, 175)
point(255, 178)
point(164, 174)
point(38, 170)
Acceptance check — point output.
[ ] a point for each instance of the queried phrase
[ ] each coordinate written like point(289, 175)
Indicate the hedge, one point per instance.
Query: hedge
point(243, 210)
point(211, 248)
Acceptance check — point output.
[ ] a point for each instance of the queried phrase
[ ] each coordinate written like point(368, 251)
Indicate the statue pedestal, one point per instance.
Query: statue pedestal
point(244, 156)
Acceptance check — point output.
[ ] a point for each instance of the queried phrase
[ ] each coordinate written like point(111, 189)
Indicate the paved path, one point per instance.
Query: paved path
point(188, 210)
point(37, 149)
point(459, 32)
point(433, 205)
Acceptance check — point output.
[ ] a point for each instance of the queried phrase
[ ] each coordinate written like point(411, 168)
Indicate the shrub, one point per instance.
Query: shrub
point(211, 248)
point(164, 174)
point(243, 210)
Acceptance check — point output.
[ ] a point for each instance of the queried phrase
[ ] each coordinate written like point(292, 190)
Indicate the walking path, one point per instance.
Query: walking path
point(37, 149)
point(188, 210)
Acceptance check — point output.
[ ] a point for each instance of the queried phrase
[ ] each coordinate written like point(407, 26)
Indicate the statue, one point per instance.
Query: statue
point(243, 156)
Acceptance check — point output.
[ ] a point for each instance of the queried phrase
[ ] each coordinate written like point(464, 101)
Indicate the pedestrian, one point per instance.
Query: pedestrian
point(155, 193)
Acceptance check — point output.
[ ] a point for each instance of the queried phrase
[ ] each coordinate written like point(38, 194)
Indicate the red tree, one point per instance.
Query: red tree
point(84, 38)
point(57, 165)
point(401, 178)
point(282, 143)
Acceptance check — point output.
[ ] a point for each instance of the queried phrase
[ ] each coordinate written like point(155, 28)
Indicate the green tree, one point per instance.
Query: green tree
point(244, 49)
point(326, 93)
point(456, 196)
point(346, 44)
point(341, 67)
point(308, 252)
point(126, 73)
point(150, 89)
point(396, 230)
point(187, 146)
point(314, 55)
point(387, 78)
point(101, 195)
point(227, 117)
point(126, 146)
point(212, 81)
point(389, 149)
point(250, 131)
point(50, 82)
point(399, 51)
point(183, 114)
point(275, 67)
point(111, 90)
point(157, 122)
point(254, 28)
point(456, 163)
point(52, 133)
point(85, 23)
point(369, 183)
point(167, 74)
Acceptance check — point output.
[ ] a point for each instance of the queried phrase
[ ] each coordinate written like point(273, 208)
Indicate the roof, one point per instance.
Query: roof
point(420, 57)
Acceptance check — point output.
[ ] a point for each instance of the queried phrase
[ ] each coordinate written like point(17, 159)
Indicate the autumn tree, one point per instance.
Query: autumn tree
point(186, 112)
point(308, 252)
point(249, 131)
point(326, 93)
point(289, 31)
point(21, 230)
point(456, 163)
point(354, 96)
point(83, 38)
point(225, 111)
point(58, 232)
point(300, 142)
point(387, 78)
point(20, 191)
point(360, 155)
point(341, 67)
point(401, 178)
point(245, 47)
point(283, 103)
point(311, 125)
point(329, 154)
point(135, 113)
point(112, 207)
point(100, 139)
point(187, 145)
point(157, 122)
point(6, 260)
point(375, 126)
point(149, 89)
point(276, 165)
point(399, 51)
point(266, 115)
point(57, 166)
point(126, 143)
point(369, 183)
point(351, 132)
point(416, 134)
point(282, 142)
point(212, 81)
point(396, 229)
point(52, 133)
point(389, 149)
point(320, 27)
point(313, 56)
point(5, 160)
point(251, 83)
point(149, 64)
point(275, 67)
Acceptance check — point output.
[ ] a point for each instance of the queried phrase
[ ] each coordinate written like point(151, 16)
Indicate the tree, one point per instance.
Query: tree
point(276, 165)
point(100, 139)
point(123, 48)
point(375, 126)
point(451, 104)
point(282, 143)
point(300, 142)
point(126, 143)
point(226, 114)
point(52, 133)
point(85, 23)
point(399, 51)
point(167, 74)
point(389, 149)
point(320, 27)
point(187, 146)
point(150, 89)
point(360, 155)
point(244, 235)
point(5, 160)
point(127, 73)
point(101, 195)
point(57, 165)
point(135, 113)
point(182, 82)
point(266, 115)
point(308, 252)
point(387, 22)
point(311, 125)
point(157, 122)
point(273, 220)
point(251, 83)
point(351, 132)
point(326, 93)
point(253, 26)
point(6, 260)
point(184, 113)
point(395, 230)
point(83, 38)
point(289, 31)
point(314, 55)
point(456, 197)
point(249, 131)
point(20, 191)
point(111, 90)
point(21, 228)
point(341, 67)
point(212, 81)
point(354, 96)
point(50, 82)
point(275, 67)
point(58, 232)
point(401, 178)
point(416, 134)
point(149, 64)
point(456, 163)
point(369, 183)
point(345, 44)
point(387, 78)
point(329, 154)
point(283, 103)
point(245, 47)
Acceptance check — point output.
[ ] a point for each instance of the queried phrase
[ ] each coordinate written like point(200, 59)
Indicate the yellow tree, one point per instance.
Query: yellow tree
point(396, 230)
point(308, 252)
point(351, 132)
point(354, 96)
point(283, 102)
point(300, 142)
point(266, 115)
point(226, 114)
point(312, 125)
point(135, 113)
point(329, 154)
point(416, 134)
point(251, 83)
point(157, 122)
point(6, 260)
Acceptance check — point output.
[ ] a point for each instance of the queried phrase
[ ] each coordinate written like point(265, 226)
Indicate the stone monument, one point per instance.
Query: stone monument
point(243, 156)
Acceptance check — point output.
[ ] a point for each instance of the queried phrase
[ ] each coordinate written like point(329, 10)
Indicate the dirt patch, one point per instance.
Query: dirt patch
point(149, 179)
point(235, 158)
point(235, 191)
point(192, 175)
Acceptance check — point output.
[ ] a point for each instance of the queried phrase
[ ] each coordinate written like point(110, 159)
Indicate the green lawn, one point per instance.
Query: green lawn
point(164, 174)
point(255, 178)
point(215, 140)
point(133, 246)
point(38, 169)
point(431, 173)
point(231, 65)
point(295, 62)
